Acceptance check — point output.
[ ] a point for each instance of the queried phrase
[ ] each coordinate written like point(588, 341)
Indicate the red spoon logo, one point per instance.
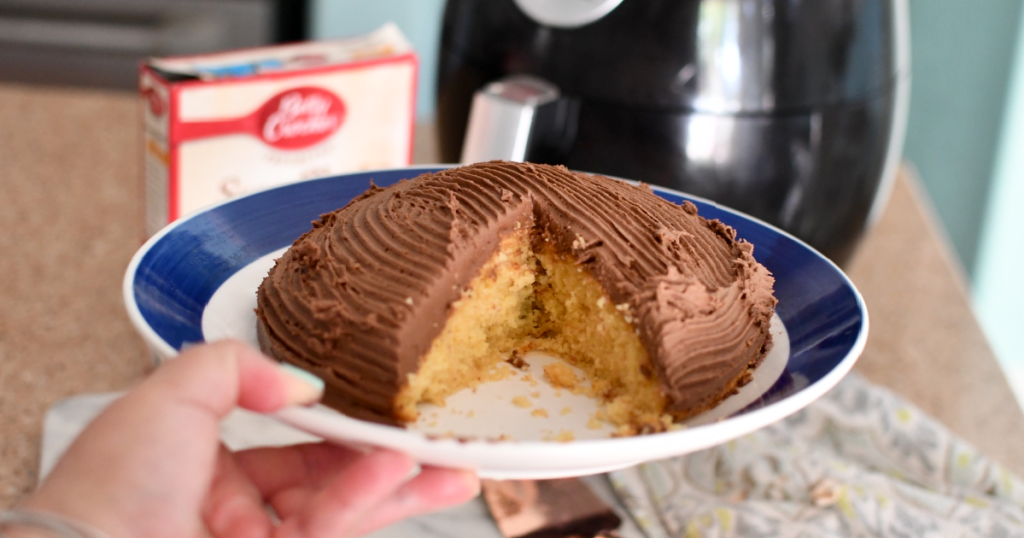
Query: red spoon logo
point(157, 107)
point(293, 119)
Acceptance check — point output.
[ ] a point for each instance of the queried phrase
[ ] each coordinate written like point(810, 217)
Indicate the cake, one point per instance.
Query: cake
point(411, 293)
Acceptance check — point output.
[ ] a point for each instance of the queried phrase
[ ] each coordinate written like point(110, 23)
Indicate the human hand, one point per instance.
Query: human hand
point(152, 464)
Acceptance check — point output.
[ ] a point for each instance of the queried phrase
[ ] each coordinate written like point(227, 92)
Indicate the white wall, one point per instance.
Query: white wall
point(962, 54)
point(420, 21)
point(998, 285)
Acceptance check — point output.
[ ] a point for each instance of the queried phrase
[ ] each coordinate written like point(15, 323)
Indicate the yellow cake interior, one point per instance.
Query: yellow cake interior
point(538, 301)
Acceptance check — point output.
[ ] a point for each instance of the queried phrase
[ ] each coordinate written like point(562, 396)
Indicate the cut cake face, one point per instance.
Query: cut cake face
point(522, 301)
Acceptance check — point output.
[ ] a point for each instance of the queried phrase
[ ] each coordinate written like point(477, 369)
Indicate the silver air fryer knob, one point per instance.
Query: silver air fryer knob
point(567, 13)
point(501, 118)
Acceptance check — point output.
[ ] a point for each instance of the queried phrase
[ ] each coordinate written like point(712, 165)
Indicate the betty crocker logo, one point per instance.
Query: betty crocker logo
point(293, 119)
point(300, 117)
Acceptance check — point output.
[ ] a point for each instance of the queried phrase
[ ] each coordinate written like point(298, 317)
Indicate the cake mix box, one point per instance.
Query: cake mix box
point(225, 124)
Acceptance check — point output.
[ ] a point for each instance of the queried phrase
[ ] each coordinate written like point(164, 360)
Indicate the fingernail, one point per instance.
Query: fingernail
point(302, 387)
point(413, 472)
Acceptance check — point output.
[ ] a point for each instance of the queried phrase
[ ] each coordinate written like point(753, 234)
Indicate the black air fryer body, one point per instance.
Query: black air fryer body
point(784, 109)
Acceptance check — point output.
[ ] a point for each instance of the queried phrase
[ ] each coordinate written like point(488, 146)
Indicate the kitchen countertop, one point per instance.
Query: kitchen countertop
point(70, 220)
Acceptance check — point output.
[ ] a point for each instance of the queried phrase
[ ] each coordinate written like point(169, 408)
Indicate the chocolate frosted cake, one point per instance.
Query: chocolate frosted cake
point(411, 293)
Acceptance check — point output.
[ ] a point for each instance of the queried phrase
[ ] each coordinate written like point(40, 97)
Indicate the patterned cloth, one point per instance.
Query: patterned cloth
point(859, 462)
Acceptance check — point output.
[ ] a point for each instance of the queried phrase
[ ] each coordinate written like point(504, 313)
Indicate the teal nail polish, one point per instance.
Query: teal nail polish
point(302, 375)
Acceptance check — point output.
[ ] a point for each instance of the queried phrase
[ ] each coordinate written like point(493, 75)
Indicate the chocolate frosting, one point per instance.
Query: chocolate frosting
point(359, 299)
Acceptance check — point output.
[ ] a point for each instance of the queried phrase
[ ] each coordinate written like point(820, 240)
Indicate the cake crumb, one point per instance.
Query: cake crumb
point(529, 379)
point(601, 301)
point(540, 413)
point(602, 388)
point(624, 309)
point(618, 411)
point(579, 243)
point(564, 436)
point(535, 394)
point(626, 430)
point(471, 413)
point(566, 410)
point(522, 401)
point(497, 373)
point(408, 300)
point(560, 374)
point(517, 361)
point(594, 423)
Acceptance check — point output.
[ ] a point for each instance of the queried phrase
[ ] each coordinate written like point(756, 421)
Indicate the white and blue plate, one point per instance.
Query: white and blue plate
point(196, 281)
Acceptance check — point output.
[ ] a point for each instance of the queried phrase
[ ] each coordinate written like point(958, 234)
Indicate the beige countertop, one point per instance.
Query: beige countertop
point(70, 220)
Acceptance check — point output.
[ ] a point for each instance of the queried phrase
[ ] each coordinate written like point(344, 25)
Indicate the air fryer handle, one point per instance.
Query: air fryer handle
point(502, 118)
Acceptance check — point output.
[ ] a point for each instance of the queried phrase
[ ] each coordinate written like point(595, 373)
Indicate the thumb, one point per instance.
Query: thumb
point(150, 457)
point(218, 377)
